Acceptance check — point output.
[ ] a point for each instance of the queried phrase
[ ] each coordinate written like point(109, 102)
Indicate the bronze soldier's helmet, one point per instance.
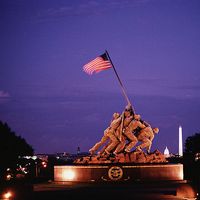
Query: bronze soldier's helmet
point(128, 107)
point(155, 130)
point(137, 117)
point(116, 115)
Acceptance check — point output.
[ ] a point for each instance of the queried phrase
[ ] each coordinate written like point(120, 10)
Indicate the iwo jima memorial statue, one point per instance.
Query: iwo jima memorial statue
point(124, 151)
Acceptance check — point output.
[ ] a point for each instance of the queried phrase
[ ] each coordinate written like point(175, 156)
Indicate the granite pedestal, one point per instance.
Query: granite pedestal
point(97, 173)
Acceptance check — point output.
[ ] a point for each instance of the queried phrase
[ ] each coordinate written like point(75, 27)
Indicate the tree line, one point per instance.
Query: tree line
point(12, 146)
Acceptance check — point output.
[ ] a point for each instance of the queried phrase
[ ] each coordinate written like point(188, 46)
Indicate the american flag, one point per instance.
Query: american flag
point(97, 65)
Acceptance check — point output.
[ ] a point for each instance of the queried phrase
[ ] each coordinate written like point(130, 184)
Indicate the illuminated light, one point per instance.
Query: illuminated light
point(181, 173)
point(68, 175)
point(27, 157)
point(44, 164)
point(8, 177)
point(7, 195)
point(34, 157)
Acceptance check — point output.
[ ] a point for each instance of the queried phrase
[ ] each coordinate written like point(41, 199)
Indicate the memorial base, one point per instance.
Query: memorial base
point(97, 173)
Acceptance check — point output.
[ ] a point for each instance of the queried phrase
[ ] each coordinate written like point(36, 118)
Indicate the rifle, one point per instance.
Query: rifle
point(121, 127)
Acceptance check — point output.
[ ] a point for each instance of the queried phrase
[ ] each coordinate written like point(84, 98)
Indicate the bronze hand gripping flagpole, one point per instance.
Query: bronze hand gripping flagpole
point(124, 93)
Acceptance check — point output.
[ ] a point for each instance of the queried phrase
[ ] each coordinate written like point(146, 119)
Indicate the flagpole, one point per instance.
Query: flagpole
point(122, 87)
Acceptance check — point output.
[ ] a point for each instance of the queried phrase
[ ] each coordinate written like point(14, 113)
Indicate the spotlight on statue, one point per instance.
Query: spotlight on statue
point(68, 175)
point(7, 195)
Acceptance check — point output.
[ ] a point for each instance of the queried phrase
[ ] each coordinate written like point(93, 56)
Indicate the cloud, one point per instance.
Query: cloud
point(165, 87)
point(92, 118)
point(86, 8)
point(189, 87)
point(4, 94)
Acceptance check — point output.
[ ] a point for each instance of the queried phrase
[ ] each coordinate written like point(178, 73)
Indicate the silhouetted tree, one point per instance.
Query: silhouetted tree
point(191, 159)
point(12, 146)
point(192, 144)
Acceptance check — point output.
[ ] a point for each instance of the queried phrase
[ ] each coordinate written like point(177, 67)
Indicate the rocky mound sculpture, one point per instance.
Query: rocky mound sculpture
point(134, 157)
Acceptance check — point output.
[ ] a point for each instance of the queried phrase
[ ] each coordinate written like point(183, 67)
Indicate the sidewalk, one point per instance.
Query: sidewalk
point(138, 190)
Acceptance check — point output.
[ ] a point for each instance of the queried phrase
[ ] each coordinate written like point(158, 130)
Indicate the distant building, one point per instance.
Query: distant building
point(43, 157)
point(166, 152)
point(180, 147)
point(78, 150)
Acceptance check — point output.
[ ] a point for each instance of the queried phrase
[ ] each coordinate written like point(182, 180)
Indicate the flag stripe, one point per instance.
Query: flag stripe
point(97, 70)
point(98, 64)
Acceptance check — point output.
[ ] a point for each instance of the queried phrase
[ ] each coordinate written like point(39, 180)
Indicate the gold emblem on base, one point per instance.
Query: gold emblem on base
point(115, 173)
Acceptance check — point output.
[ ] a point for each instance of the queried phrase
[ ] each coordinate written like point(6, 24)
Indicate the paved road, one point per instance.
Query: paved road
point(144, 191)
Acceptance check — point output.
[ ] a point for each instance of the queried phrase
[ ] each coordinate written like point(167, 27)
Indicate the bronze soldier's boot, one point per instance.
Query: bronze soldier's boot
point(138, 149)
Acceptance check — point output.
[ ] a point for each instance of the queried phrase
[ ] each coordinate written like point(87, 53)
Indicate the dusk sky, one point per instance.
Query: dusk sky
point(47, 98)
